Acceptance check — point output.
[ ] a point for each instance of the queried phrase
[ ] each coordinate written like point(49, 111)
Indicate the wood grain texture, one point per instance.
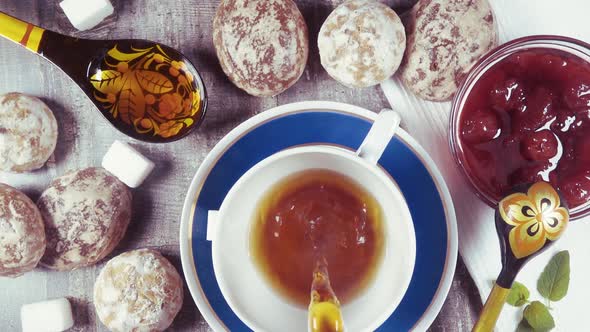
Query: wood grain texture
point(85, 136)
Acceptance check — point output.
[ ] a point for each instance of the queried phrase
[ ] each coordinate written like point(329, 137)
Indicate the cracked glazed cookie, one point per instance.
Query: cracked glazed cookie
point(262, 45)
point(362, 43)
point(86, 214)
point(22, 235)
point(138, 291)
point(28, 133)
point(445, 39)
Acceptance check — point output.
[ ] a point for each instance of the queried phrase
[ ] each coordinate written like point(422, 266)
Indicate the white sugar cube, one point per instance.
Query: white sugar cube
point(86, 14)
point(47, 316)
point(130, 166)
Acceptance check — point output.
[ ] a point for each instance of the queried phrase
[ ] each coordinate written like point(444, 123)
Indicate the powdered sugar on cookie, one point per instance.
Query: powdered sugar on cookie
point(28, 133)
point(138, 291)
point(261, 44)
point(445, 39)
point(22, 235)
point(362, 43)
point(86, 214)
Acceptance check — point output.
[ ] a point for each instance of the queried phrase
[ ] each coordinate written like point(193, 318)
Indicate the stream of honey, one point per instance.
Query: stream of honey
point(324, 312)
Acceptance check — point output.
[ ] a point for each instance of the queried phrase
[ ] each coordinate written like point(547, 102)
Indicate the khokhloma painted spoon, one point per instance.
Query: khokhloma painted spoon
point(528, 221)
point(146, 90)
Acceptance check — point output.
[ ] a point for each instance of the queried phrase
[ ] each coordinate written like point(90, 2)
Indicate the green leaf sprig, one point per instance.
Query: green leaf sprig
point(555, 279)
point(519, 295)
point(553, 285)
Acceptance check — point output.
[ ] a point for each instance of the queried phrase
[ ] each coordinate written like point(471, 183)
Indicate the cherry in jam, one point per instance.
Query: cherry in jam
point(527, 119)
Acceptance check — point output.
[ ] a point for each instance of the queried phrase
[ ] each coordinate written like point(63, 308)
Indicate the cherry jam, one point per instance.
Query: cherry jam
point(528, 119)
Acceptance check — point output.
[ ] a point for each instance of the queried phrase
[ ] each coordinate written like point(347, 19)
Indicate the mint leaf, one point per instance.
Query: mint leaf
point(555, 279)
point(538, 317)
point(524, 327)
point(518, 295)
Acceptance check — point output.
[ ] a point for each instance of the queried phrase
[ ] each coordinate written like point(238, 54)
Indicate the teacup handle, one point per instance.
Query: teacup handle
point(381, 133)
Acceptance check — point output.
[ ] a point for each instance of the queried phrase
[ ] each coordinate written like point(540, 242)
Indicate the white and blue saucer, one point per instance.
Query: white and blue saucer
point(296, 124)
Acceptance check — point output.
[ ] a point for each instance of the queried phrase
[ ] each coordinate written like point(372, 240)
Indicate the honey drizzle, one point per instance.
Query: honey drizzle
point(324, 308)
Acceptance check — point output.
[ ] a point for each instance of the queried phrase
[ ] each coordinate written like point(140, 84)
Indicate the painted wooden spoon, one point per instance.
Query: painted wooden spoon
point(146, 90)
point(528, 221)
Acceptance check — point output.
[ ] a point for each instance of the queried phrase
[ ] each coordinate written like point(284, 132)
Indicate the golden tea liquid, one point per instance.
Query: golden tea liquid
point(317, 213)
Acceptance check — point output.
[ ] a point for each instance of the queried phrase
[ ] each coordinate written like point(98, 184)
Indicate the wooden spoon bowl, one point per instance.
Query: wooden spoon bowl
point(146, 90)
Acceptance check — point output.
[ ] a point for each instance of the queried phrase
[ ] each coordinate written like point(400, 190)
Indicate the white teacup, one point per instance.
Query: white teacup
point(244, 287)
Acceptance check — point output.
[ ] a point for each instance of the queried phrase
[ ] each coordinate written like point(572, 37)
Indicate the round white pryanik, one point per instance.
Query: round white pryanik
point(139, 290)
point(86, 214)
point(262, 45)
point(28, 133)
point(362, 43)
point(22, 234)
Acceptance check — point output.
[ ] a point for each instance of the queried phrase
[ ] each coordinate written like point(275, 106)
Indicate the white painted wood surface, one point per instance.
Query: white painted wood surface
point(85, 137)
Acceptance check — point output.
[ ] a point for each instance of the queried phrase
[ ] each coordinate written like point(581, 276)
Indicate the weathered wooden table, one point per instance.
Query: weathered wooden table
point(85, 137)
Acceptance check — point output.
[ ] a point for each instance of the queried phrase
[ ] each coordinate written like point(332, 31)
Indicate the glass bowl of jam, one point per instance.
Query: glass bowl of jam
point(523, 115)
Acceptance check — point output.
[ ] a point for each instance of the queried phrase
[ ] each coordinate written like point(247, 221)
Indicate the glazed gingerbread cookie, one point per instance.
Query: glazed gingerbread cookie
point(22, 235)
point(445, 39)
point(138, 291)
point(362, 43)
point(262, 45)
point(28, 133)
point(86, 214)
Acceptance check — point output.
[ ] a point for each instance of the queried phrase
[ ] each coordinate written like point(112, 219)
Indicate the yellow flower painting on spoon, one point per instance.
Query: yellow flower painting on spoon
point(147, 90)
point(537, 216)
point(528, 221)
